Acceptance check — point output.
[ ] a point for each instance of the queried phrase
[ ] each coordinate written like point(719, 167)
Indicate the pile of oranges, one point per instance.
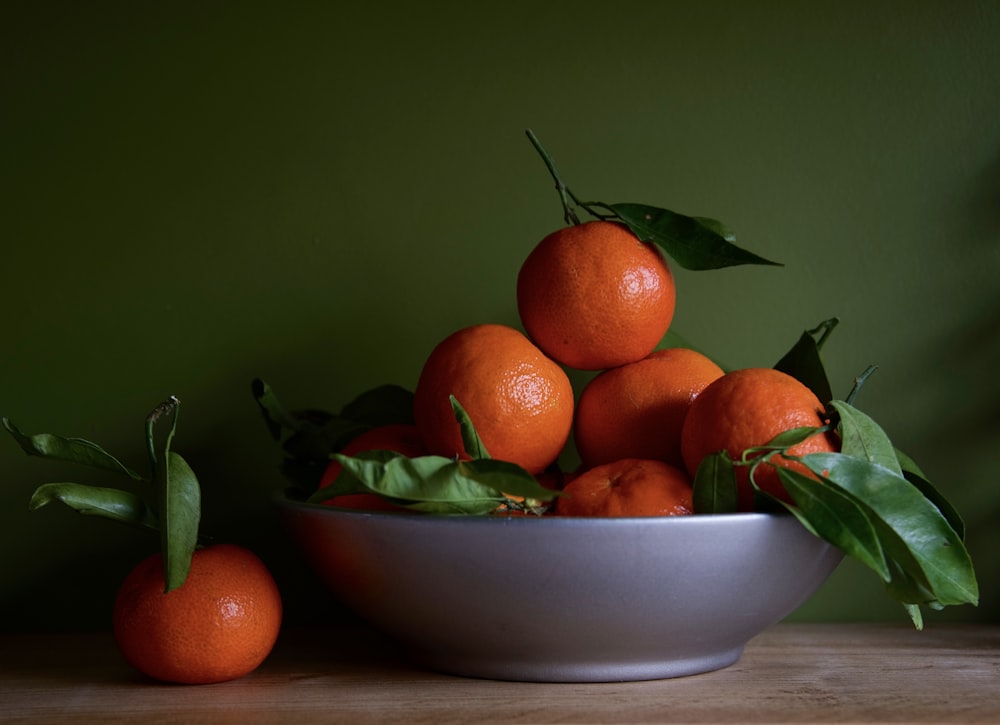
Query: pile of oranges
point(592, 296)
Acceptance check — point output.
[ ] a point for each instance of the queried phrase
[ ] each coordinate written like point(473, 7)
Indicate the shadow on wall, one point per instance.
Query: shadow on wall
point(962, 381)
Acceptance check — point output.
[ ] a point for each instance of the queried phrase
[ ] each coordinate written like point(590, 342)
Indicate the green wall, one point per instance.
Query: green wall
point(198, 194)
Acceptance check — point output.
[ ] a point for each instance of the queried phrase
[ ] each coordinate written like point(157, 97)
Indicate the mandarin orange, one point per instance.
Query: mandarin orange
point(629, 487)
point(219, 625)
point(520, 401)
point(592, 296)
point(746, 409)
point(637, 410)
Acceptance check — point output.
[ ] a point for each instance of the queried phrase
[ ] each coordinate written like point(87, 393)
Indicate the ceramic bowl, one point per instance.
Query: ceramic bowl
point(555, 599)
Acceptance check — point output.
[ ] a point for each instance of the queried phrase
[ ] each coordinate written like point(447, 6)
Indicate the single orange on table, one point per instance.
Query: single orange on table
point(593, 296)
point(520, 401)
point(400, 438)
point(219, 625)
point(629, 487)
point(746, 409)
point(637, 410)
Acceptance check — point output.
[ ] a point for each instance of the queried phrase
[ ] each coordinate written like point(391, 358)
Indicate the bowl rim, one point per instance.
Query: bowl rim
point(343, 512)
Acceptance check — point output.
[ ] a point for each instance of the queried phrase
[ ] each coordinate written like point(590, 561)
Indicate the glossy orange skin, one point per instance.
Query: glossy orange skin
point(592, 296)
point(219, 625)
point(745, 409)
point(401, 438)
point(520, 401)
point(637, 410)
point(629, 487)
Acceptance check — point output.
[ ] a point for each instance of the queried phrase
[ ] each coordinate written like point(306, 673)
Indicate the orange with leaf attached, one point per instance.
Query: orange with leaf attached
point(402, 438)
point(593, 296)
point(746, 409)
point(219, 625)
point(520, 401)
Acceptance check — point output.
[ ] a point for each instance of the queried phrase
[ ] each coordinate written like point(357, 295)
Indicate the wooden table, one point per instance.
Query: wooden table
point(791, 673)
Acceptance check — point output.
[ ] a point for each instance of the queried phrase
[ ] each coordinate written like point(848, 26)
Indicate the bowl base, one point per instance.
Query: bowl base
point(570, 672)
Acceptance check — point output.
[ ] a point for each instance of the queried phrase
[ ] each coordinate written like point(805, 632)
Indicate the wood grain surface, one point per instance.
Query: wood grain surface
point(805, 673)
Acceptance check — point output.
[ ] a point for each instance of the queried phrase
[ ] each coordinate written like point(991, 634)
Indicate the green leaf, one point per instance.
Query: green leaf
point(909, 465)
point(310, 436)
point(791, 437)
point(471, 442)
point(506, 477)
point(834, 515)
point(428, 483)
point(907, 583)
point(178, 496)
point(112, 503)
point(913, 531)
point(276, 417)
point(694, 243)
point(914, 475)
point(863, 438)
point(915, 615)
point(382, 405)
point(434, 484)
point(804, 363)
point(181, 518)
point(714, 486)
point(72, 450)
point(318, 443)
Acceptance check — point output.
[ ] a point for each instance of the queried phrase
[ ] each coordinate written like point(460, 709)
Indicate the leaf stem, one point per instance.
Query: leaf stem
point(167, 407)
point(859, 383)
point(824, 329)
point(565, 195)
point(592, 206)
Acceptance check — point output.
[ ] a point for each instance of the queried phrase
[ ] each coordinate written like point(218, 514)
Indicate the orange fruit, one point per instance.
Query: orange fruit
point(637, 410)
point(520, 401)
point(745, 409)
point(398, 437)
point(219, 625)
point(592, 296)
point(629, 487)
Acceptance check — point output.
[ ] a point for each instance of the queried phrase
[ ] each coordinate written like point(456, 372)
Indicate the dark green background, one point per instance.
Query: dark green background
point(196, 194)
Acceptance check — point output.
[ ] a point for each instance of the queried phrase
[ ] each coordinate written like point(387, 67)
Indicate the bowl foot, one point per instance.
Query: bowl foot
point(570, 671)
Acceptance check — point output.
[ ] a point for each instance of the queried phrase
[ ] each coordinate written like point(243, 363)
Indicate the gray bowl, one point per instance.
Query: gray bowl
point(565, 599)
